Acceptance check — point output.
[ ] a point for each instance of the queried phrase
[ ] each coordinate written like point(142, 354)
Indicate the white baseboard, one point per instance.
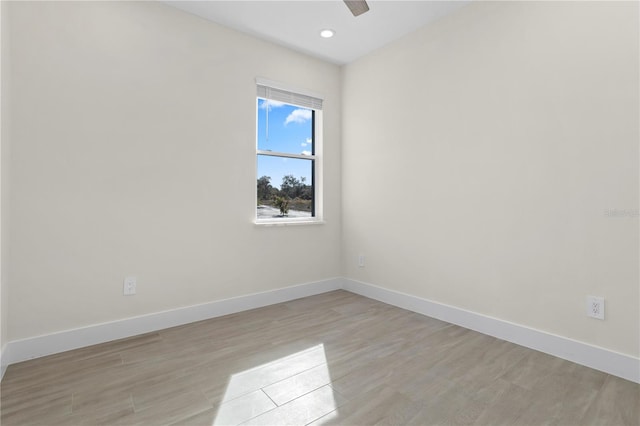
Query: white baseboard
point(3, 361)
point(35, 347)
point(595, 357)
point(611, 362)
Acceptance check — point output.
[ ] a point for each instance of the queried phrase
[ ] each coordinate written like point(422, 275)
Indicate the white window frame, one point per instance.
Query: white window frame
point(268, 89)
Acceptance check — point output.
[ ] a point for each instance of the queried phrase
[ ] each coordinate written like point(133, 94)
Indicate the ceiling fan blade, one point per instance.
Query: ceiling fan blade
point(357, 7)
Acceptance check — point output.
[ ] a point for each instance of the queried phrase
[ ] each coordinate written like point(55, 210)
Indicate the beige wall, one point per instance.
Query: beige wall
point(4, 175)
point(133, 150)
point(480, 156)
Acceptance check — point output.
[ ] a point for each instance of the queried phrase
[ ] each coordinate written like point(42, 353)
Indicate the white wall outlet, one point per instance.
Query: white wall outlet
point(129, 287)
point(595, 307)
point(361, 261)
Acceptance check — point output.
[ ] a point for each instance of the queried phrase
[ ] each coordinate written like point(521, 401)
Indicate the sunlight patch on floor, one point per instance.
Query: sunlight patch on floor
point(294, 389)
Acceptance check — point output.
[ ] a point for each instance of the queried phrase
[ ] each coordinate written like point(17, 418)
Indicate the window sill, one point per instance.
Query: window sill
point(288, 222)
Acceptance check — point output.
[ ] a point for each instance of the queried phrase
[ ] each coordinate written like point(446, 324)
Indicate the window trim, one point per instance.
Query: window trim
point(315, 105)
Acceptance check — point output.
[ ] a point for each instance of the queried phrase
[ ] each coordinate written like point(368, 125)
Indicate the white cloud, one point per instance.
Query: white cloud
point(305, 143)
point(306, 153)
point(298, 116)
point(270, 104)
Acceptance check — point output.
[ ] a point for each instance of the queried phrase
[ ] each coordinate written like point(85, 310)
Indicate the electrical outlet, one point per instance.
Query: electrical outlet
point(361, 261)
point(129, 287)
point(595, 307)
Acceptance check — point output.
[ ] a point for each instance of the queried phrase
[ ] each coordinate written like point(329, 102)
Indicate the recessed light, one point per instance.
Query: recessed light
point(327, 33)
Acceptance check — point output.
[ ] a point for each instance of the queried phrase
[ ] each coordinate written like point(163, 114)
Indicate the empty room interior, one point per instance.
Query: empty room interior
point(320, 212)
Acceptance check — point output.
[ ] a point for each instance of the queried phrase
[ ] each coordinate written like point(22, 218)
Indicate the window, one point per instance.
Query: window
point(288, 150)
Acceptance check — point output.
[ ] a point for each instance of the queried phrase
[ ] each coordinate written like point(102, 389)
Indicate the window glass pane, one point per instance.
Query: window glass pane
point(284, 180)
point(284, 128)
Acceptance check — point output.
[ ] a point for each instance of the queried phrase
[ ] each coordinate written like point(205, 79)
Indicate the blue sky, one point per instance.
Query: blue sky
point(289, 130)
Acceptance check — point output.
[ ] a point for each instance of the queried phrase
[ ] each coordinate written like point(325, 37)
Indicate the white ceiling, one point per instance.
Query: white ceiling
point(297, 24)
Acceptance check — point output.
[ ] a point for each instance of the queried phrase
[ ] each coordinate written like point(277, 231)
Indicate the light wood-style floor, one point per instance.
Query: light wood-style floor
point(335, 358)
